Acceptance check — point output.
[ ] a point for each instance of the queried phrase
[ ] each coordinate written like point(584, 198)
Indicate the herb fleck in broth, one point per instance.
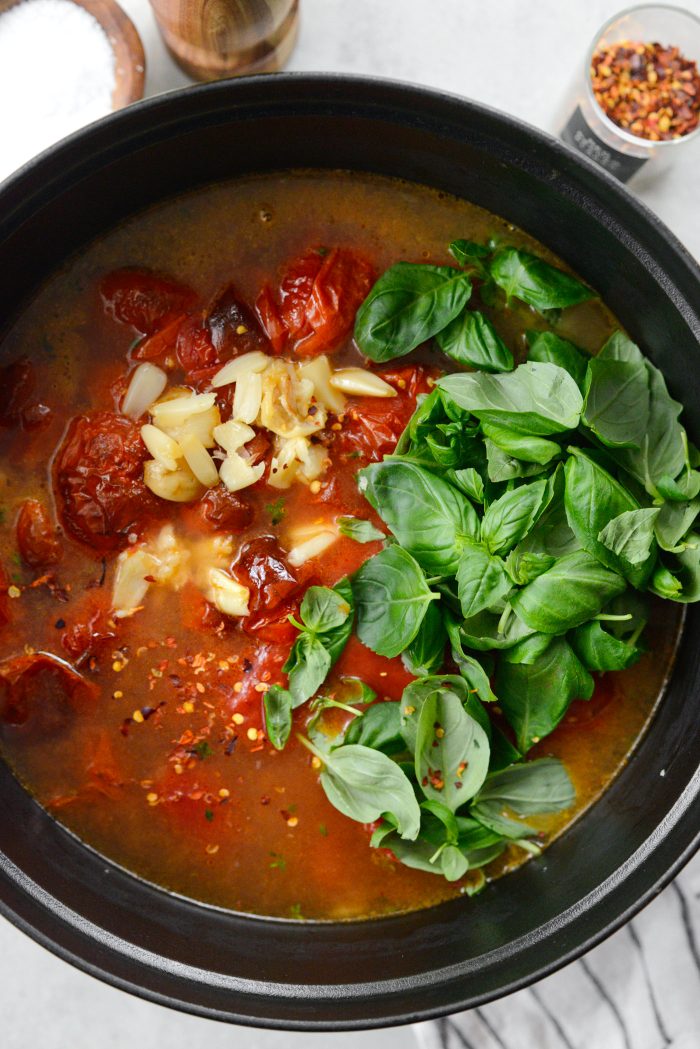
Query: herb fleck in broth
point(168, 772)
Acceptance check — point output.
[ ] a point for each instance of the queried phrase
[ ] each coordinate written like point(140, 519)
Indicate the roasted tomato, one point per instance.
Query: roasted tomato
point(163, 341)
point(99, 480)
point(232, 326)
point(195, 350)
point(4, 600)
point(272, 624)
point(144, 300)
point(90, 631)
point(261, 567)
point(37, 540)
point(40, 695)
point(17, 382)
point(223, 511)
point(373, 425)
point(319, 296)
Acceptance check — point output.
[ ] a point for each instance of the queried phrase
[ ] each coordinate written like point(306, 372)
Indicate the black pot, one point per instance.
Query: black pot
point(315, 975)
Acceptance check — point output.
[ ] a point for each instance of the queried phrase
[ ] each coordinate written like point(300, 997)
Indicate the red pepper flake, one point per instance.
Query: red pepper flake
point(649, 90)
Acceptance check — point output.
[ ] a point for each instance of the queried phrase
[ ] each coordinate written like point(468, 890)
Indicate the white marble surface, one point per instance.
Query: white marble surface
point(519, 57)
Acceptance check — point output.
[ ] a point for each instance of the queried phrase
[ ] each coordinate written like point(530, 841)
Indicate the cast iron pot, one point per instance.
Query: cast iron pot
point(359, 974)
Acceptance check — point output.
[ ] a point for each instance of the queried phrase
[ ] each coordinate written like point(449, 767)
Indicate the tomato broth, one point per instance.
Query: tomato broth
point(147, 738)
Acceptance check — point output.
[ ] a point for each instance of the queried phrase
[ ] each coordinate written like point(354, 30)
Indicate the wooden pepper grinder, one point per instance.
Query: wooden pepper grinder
point(212, 39)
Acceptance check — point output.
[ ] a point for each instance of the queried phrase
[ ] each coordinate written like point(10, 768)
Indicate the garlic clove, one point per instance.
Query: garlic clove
point(246, 364)
point(358, 382)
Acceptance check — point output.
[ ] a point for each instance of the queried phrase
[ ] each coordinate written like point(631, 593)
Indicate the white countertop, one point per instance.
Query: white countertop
point(519, 57)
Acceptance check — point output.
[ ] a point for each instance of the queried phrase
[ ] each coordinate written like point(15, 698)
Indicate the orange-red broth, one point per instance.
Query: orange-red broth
point(193, 797)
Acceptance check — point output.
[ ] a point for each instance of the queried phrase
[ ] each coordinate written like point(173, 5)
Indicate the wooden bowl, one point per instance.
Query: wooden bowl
point(129, 59)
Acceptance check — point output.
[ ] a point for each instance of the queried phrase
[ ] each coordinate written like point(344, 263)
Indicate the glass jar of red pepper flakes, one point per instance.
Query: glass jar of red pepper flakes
point(639, 98)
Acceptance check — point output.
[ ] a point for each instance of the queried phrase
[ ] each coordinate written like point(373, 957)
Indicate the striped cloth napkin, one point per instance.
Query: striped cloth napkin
point(640, 989)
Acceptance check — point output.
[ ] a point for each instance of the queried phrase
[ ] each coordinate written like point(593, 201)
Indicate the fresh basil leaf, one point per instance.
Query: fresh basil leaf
point(503, 753)
point(510, 518)
point(491, 815)
point(528, 650)
point(444, 815)
point(616, 403)
point(362, 693)
point(451, 750)
point(520, 446)
point(530, 279)
point(686, 487)
point(379, 728)
point(551, 535)
point(468, 481)
point(665, 584)
point(323, 608)
point(674, 521)
point(523, 567)
point(409, 304)
point(630, 535)
point(364, 784)
point(535, 399)
point(572, 591)
point(593, 498)
point(661, 452)
point(504, 467)
point(418, 692)
point(619, 347)
point(470, 668)
point(277, 704)
point(453, 863)
point(486, 631)
point(336, 638)
point(684, 584)
point(481, 579)
point(429, 517)
point(391, 596)
point(426, 653)
point(471, 339)
point(531, 788)
point(359, 529)
point(307, 666)
point(468, 252)
point(599, 650)
point(546, 347)
point(535, 697)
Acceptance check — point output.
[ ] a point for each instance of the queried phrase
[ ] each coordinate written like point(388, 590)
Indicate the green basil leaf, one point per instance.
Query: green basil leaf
point(546, 347)
point(409, 304)
point(444, 815)
point(665, 584)
point(468, 481)
point(490, 814)
point(452, 750)
point(425, 654)
point(551, 535)
point(323, 608)
point(418, 855)
point(392, 597)
point(616, 403)
point(686, 487)
point(468, 252)
point(336, 638)
point(453, 863)
point(379, 728)
point(510, 518)
point(277, 704)
point(523, 567)
point(528, 650)
point(519, 446)
point(572, 591)
point(470, 668)
point(364, 784)
point(662, 449)
point(359, 529)
point(630, 535)
point(485, 632)
point(593, 498)
point(503, 753)
point(427, 515)
point(599, 650)
point(536, 399)
point(530, 279)
point(307, 666)
point(674, 521)
point(535, 697)
point(619, 347)
point(504, 467)
point(684, 584)
point(481, 579)
point(531, 788)
point(471, 339)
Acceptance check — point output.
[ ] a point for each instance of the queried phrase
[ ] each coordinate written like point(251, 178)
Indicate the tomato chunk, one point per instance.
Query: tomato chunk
point(99, 480)
point(144, 300)
point(222, 511)
point(4, 600)
point(319, 296)
point(261, 567)
point(40, 695)
point(195, 350)
point(162, 341)
point(37, 540)
point(90, 631)
point(232, 326)
point(373, 425)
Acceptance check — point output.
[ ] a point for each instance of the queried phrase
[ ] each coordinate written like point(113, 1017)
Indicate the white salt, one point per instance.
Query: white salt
point(56, 74)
